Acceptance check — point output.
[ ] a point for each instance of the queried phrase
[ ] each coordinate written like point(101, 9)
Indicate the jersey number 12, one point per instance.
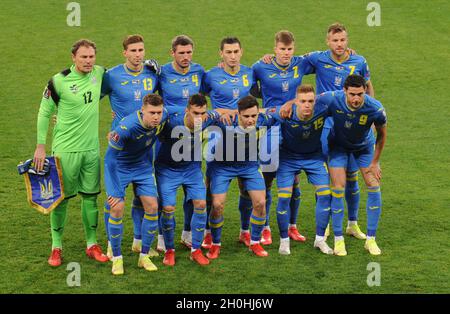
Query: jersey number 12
point(87, 97)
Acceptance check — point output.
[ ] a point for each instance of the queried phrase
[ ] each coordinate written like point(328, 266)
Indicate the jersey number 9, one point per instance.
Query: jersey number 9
point(363, 119)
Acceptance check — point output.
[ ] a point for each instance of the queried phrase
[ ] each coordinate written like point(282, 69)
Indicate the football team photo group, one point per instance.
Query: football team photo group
point(220, 147)
point(331, 135)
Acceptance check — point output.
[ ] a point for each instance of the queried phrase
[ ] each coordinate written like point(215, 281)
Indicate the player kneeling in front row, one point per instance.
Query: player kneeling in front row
point(179, 164)
point(127, 161)
point(241, 140)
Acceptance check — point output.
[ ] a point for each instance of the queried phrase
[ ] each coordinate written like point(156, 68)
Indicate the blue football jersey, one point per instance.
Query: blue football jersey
point(133, 140)
point(226, 89)
point(352, 127)
point(279, 84)
point(236, 146)
point(126, 89)
point(330, 74)
point(171, 136)
point(301, 137)
point(176, 88)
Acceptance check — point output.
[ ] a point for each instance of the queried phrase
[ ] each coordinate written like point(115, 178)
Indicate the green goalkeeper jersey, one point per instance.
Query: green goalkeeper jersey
point(76, 98)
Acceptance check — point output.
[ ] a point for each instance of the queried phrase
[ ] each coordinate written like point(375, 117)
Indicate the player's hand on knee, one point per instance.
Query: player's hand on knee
point(113, 201)
point(375, 171)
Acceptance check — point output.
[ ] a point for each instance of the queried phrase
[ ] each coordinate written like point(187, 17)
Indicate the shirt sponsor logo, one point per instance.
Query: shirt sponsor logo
point(74, 88)
point(234, 80)
point(184, 80)
point(137, 81)
point(283, 74)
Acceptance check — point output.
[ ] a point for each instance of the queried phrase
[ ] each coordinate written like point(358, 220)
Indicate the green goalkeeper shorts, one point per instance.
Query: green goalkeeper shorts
point(81, 172)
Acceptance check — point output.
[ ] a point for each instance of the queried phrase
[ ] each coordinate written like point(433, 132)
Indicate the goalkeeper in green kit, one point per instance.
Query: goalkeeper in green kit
point(75, 94)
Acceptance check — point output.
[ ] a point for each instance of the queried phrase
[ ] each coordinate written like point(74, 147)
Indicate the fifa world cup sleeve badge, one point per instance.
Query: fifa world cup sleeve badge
point(45, 190)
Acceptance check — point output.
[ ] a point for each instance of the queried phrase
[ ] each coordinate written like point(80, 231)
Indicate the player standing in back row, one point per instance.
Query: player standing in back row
point(75, 94)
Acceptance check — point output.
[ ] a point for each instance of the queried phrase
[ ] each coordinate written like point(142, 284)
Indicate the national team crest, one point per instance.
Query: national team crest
point(285, 86)
point(45, 190)
point(338, 80)
point(185, 93)
point(137, 95)
point(235, 93)
point(348, 124)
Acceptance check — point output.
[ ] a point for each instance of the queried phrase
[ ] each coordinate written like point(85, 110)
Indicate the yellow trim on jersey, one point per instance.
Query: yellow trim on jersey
point(233, 73)
point(280, 67)
point(115, 147)
point(132, 73)
point(182, 73)
point(340, 62)
point(353, 109)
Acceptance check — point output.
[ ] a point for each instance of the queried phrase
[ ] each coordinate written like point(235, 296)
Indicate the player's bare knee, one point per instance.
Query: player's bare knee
point(199, 203)
point(217, 207)
point(260, 206)
point(169, 209)
point(117, 210)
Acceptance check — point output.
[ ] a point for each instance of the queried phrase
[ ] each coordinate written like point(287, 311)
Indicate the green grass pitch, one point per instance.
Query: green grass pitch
point(409, 56)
